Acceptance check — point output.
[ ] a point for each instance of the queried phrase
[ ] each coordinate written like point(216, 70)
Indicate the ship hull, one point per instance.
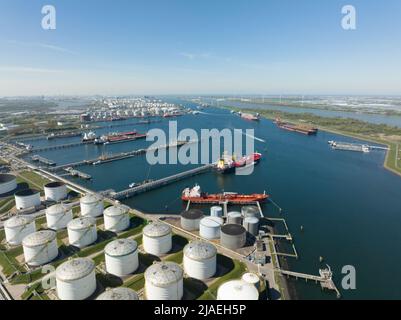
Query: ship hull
point(236, 199)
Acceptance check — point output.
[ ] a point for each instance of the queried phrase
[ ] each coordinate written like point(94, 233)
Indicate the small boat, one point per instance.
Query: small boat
point(132, 185)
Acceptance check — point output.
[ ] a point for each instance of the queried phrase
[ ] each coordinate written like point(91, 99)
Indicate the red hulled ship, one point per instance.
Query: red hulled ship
point(196, 196)
point(300, 128)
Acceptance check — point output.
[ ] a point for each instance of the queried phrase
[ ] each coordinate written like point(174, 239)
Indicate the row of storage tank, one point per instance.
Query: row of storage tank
point(76, 279)
point(30, 198)
point(232, 234)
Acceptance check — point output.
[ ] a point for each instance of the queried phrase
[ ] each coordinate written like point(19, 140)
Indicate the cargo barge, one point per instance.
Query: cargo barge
point(119, 137)
point(249, 116)
point(299, 128)
point(196, 196)
point(345, 146)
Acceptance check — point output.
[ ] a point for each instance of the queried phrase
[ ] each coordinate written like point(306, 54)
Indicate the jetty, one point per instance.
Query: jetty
point(160, 183)
point(79, 174)
point(60, 146)
point(325, 278)
point(43, 160)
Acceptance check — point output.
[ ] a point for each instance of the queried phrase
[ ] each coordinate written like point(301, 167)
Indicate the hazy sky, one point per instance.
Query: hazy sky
point(200, 46)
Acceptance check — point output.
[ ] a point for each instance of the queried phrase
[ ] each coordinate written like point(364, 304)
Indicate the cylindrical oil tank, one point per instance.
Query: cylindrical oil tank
point(190, 220)
point(58, 216)
point(82, 232)
point(116, 219)
point(216, 211)
point(76, 279)
point(164, 281)
point(234, 217)
point(55, 191)
point(251, 278)
point(17, 228)
point(251, 224)
point(250, 211)
point(237, 290)
point(27, 199)
point(91, 205)
point(8, 183)
point(210, 227)
point(120, 293)
point(157, 238)
point(121, 257)
point(233, 236)
point(40, 247)
point(200, 260)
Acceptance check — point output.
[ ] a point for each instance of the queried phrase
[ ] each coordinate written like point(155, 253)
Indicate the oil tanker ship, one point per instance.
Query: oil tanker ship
point(196, 196)
point(300, 128)
point(120, 137)
point(228, 164)
point(249, 116)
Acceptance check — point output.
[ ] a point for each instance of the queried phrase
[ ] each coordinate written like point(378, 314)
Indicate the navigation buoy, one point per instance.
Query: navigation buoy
point(302, 228)
point(321, 259)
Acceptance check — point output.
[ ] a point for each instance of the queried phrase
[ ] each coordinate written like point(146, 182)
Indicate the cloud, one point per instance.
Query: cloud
point(28, 69)
point(43, 46)
point(193, 56)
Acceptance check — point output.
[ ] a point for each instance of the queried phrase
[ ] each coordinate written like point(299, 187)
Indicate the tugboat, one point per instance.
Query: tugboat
point(196, 196)
point(228, 164)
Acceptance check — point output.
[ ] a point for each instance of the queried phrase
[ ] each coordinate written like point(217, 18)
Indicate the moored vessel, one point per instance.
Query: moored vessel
point(300, 128)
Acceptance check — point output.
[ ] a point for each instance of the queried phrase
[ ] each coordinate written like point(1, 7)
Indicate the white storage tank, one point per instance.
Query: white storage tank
point(216, 211)
point(17, 228)
point(250, 211)
point(164, 281)
point(55, 191)
point(157, 238)
point(200, 260)
point(91, 205)
point(210, 227)
point(121, 257)
point(82, 232)
point(190, 220)
point(120, 293)
point(233, 236)
point(116, 219)
point(251, 224)
point(252, 278)
point(76, 279)
point(58, 216)
point(27, 199)
point(234, 217)
point(40, 247)
point(8, 183)
point(237, 290)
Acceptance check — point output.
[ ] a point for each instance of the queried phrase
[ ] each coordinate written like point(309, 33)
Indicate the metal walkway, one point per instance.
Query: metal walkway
point(160, 183)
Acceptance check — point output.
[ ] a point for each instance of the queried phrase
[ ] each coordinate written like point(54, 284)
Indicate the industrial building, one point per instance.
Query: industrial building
point(76, 279)
point(58, 216)
point(200, 260)
point(121, 257)
point(40, 247)
point(17, 228)
point(210, 227)
point(190, 220)
point(27, 199)
point(233, 236)
point(237, 290)
point(91, 206)
point(82, 232)
point(164, 281)
point(120, 293)
point(8, 183)
point(116, 219)
point(55, 191)
point(157, 238)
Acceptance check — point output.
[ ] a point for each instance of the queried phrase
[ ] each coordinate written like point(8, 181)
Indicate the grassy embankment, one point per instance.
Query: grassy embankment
point(376, 133)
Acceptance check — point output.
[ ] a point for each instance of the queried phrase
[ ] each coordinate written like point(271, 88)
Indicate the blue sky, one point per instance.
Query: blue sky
point(200, 47)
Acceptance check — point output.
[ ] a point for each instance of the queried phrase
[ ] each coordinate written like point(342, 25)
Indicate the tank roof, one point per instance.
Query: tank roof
point(192, 214)
point(75, 269)
point(157, 229)
point(54, 184)
point(233, 214)
point(18, 221)
point(251, 220)
point(233, 229)
point(250, 277)
point(90, 198)
point(121, 247)
point(114, 211)
point(120, 293)
point(200, 250)
point(58, 208)
point(237, 290)
point(39, 238)
point(4, 177)
point(81, 223)
point(26, 193)
point(212, 222)
point(164, 273)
